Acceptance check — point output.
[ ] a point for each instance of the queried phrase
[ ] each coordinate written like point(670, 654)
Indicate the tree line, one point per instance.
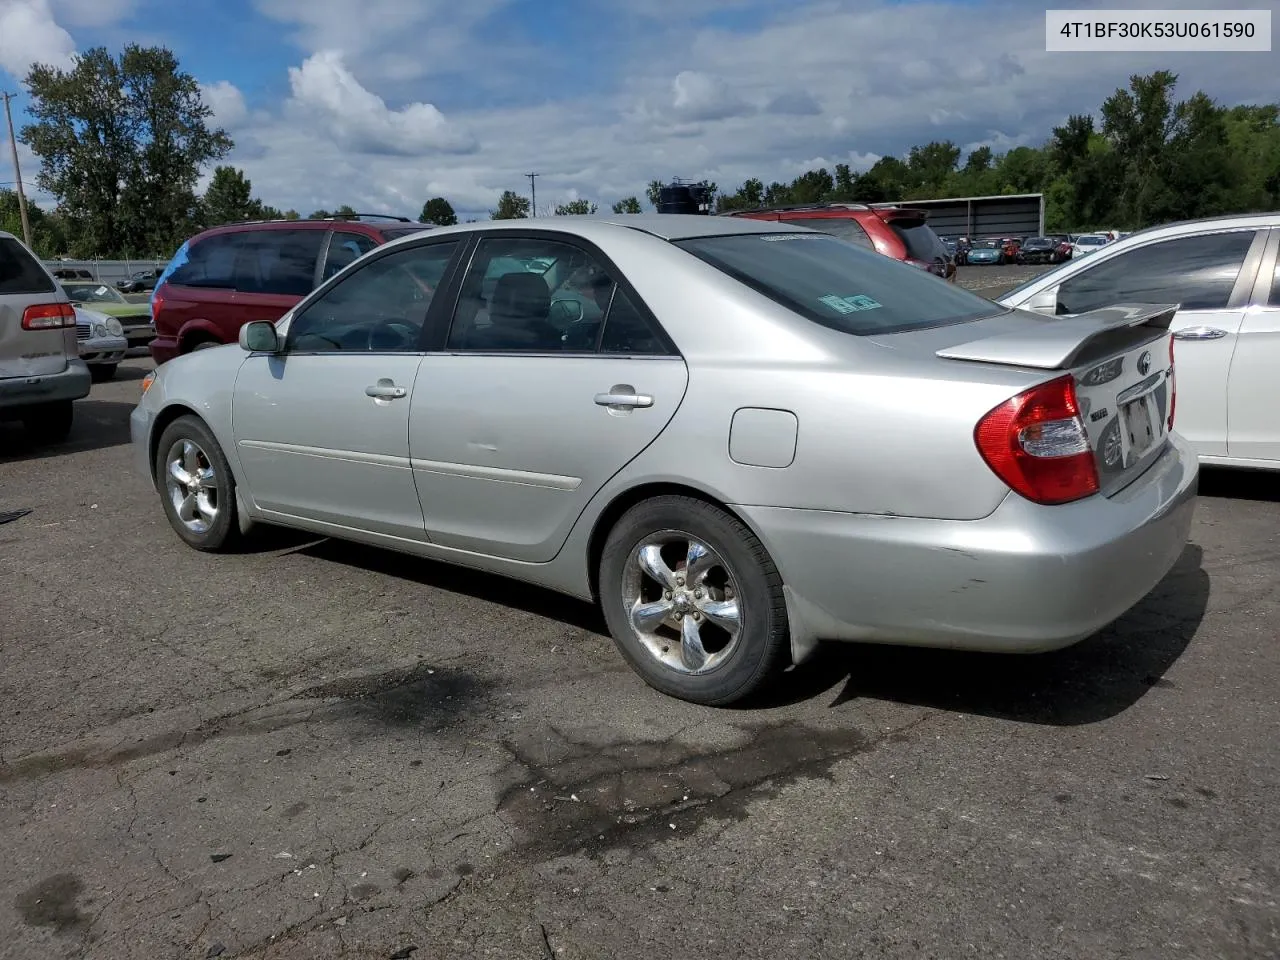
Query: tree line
point(122, 142)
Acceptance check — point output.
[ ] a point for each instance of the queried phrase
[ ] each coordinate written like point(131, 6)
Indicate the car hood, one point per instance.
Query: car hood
point(120, 309)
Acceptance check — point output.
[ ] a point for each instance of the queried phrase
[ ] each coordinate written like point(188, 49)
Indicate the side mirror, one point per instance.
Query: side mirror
point(259, 336)
point(1046, 301)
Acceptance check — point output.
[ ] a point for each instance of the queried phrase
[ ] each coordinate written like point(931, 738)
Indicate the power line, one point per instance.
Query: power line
point(533, 191)
point(17, 171)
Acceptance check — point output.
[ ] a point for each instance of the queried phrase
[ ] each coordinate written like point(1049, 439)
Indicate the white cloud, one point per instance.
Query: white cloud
point(325, 90)
point(29, 34)
point(836, 80)
point(700, 97)
point(227, 103)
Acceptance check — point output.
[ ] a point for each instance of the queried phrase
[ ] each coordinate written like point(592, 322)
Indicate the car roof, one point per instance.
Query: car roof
point(665, 226)
point(330, 223)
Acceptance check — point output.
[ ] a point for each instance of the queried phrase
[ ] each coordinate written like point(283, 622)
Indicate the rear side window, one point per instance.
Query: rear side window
point(919, 239)
point(843, 228)
point(1197, 272)
point(205, 263)
point(839, 286)
point(281, 262)
point(20, 272)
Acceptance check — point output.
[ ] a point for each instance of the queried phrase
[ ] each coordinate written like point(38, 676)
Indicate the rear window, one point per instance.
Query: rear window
point(920, 240)
point(841, 227)
point(20, 272)
point(839, 285)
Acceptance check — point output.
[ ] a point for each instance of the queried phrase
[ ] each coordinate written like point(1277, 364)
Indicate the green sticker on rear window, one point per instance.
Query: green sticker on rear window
point(853, 304)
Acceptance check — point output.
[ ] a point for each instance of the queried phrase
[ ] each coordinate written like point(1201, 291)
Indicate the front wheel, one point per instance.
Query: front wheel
point(196, 486)
point(693, 601)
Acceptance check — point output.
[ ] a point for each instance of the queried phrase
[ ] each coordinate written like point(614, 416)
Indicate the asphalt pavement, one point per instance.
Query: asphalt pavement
point(314, 750)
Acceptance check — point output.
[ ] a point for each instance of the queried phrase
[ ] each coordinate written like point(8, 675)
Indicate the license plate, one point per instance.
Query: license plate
point(1139, 426)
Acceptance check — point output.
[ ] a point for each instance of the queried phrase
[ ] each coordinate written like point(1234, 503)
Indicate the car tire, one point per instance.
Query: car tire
point(200, 496)
point(643, 564)
point(102, 372)
point(49, 422)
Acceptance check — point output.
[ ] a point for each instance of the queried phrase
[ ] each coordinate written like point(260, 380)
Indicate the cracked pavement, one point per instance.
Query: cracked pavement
point(322, 750)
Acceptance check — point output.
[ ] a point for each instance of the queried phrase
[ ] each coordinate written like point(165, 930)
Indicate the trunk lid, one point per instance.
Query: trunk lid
point(1122, 362)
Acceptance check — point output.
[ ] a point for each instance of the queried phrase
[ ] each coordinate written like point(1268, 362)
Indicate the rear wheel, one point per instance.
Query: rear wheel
point(196, 486)
point(693, 601)
point(49, 422)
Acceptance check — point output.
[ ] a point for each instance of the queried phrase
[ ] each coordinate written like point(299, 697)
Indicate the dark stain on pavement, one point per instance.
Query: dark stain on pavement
point(594, 794)
point(407, 697)
point(52, 903)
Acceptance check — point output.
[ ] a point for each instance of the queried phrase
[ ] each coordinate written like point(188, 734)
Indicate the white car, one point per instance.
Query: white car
point(1087, 243)
point(102, 342)
point(1223, 274)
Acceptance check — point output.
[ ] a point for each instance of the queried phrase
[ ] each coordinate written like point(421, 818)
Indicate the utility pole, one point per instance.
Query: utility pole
point(17, 172)
point(533, 190)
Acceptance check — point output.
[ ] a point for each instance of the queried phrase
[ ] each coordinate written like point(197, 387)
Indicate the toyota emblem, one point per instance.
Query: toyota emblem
point(1144, 362)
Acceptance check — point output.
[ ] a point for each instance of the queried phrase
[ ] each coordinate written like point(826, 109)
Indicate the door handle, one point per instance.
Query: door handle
point(619, 399)
point(385, 390)
point(1199, 333)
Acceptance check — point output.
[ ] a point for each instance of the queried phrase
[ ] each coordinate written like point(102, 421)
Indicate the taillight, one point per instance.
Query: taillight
point(157, 302)
point(1036, 443)
point(1173, 387)
point(48, 316)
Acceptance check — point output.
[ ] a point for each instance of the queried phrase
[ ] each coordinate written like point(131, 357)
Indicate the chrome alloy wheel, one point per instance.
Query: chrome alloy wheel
point(681, 600)
point(192, 485)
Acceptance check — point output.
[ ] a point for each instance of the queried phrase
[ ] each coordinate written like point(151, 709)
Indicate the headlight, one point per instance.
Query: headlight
point(114, 327)
point(100, 330)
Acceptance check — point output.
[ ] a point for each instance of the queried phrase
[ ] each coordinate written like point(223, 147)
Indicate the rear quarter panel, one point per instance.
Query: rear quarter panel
point(880, 430)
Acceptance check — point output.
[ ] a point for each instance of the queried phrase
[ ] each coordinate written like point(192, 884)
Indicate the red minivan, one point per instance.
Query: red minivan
point(222, 278)
point(902, 233)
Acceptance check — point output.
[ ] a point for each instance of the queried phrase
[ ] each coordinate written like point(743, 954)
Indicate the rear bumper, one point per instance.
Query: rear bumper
point(1025, 579)
point(73, 383)
point(163, 349)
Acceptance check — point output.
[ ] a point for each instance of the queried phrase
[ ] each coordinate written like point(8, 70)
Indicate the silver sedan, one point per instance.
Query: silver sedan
point(738, 437)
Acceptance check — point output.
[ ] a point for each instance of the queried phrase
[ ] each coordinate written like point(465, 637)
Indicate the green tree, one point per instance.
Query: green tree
point(653, 192)
point(346, 210)
point(292, 215)
point(439, 211)
point(48, 237)
point(930, 166)
point(979, 160)
point(321, 214)
point(122, 141)
point(628, 205)
point(511, 206)
point(229, 198)
point(575, 208)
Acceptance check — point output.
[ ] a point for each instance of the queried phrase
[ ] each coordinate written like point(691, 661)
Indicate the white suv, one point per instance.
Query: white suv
point(1225, 277)
point(41, 373)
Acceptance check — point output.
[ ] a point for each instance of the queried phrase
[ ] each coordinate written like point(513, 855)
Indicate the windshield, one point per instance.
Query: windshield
point(1091, 241)
point(986, 244)
point(838, 285)
point(91, 293)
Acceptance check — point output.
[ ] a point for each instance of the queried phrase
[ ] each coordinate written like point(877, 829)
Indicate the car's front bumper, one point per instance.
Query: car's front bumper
point(140, 422)
point(73, 383)
point(1027, 578)
point(99, 350)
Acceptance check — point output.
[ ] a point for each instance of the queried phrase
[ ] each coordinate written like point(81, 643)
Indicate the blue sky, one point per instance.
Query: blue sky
point(383, 103)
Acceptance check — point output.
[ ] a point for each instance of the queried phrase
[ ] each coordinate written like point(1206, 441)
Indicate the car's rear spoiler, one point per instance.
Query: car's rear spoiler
point(1054, 343)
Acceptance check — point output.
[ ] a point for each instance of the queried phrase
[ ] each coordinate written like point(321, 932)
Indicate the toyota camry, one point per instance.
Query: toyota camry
point(740, 438)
